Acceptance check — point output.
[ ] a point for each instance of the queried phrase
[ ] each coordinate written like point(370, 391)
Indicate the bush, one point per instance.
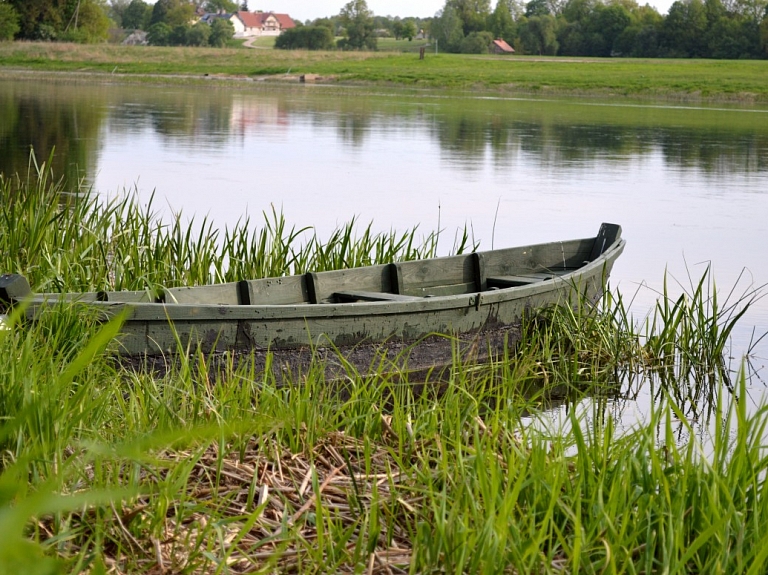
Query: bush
point(159, 34)
point(477, 43)
point(305, 38)
point(221, 32)
point(178, 35)
point(9, 22)
point(198, 35)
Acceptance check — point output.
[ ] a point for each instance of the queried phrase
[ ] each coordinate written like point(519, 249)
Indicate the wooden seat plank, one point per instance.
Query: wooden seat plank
point(353, 296)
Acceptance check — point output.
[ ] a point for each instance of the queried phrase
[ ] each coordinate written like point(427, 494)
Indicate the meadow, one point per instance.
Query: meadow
point(107, 467)
point(690, 80)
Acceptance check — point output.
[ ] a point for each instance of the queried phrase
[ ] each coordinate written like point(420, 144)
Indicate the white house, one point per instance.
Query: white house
point(249, 24)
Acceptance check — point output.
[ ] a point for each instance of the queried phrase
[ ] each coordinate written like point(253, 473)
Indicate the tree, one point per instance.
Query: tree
point(40, 19)
point(755, 10)
point(137, 15)
point(764, 36)
point(606, 24)
point(88, 22)
point(447, 30)
point(198, 34)
point(172, 12)
point(357, 21)
point(9, 22)
point(501, 23)
point(117, 9)
point(408, 29)
point(537, 8)
point(472, 13)
point(221, 32)
point(397, 29)
point(538, 35)
point(221, 6)
point(684, 30)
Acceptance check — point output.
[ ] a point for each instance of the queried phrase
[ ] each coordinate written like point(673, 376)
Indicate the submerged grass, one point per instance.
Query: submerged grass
point(104, 469)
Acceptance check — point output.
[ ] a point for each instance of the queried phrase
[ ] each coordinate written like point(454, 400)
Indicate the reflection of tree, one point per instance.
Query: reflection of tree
point(354, 127)
point(174, 115)
point(471, 133)
point(558, 137)
point(69, 123)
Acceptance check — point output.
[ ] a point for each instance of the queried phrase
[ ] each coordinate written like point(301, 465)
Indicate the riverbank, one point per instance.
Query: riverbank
point(678, 80)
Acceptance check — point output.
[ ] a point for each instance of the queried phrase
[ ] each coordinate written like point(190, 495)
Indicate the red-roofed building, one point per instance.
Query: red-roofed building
point(260, 23)
point(501, 47)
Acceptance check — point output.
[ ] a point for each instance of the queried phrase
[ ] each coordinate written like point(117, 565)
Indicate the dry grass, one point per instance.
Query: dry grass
point(265, 499)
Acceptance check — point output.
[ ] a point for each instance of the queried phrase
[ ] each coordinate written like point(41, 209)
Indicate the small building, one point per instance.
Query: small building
point(499, 46)
point(248, 24)
point(210, 17)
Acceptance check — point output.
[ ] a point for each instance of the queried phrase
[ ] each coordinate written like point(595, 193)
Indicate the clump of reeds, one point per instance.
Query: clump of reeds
point(62, 237)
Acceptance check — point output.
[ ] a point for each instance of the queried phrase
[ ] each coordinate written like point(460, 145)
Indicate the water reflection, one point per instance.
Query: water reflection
point(68, 121)
point(468, 132)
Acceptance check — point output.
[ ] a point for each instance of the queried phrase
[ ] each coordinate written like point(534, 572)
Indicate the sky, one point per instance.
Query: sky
point(311, 9)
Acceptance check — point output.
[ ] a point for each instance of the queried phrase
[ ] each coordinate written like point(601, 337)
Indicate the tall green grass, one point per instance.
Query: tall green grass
point(63, 237)
point(104, 468)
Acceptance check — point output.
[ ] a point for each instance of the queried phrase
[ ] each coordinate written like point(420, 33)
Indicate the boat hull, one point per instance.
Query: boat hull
point(397, 303)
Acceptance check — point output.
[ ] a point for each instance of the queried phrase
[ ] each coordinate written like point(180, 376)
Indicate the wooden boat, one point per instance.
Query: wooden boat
point(395, 303)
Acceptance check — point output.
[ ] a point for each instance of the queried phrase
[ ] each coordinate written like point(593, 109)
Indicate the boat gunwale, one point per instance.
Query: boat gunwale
point(202, 312)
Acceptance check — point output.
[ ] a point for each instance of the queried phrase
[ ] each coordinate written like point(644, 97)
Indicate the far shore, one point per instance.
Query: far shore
point(705, 81)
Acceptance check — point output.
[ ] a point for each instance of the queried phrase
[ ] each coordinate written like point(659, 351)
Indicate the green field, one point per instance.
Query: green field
point(696, 80)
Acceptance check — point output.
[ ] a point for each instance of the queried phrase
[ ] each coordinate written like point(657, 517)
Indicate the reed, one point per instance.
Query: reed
point(106, 468)
point(63, 237)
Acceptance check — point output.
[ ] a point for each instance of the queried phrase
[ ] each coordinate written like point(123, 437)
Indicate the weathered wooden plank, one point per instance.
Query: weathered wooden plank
point(420, 274)
point(278, 291)
point(539, 258)
point(371, 279)
point(481, 283)
point(219, 294)
point(353, 296)
point(211, 335)
point(128, 296)
point(443, 290)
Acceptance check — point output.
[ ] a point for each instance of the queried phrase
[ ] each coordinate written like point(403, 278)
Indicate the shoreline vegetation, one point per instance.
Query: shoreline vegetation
point(106, 468)
point(694, 80)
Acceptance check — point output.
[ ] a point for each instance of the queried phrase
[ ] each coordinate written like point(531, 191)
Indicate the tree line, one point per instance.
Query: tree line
point(167, 22)
point(691, 29)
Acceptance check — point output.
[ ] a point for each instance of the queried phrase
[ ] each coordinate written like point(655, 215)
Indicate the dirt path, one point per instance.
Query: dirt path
point(249, 44)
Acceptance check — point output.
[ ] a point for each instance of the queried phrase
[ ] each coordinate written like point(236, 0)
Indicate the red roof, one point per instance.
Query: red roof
point(285, 21)
point(256, 20)
point(503, 46)
point(250, 19)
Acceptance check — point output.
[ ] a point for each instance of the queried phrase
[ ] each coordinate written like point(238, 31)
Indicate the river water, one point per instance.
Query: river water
point(688, 183)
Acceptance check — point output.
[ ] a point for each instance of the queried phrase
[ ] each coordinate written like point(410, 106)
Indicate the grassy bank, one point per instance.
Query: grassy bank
point(106, 469)
point(707, 80)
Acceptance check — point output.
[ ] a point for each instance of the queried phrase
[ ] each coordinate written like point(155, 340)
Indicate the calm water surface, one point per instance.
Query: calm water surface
point(689, 184)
